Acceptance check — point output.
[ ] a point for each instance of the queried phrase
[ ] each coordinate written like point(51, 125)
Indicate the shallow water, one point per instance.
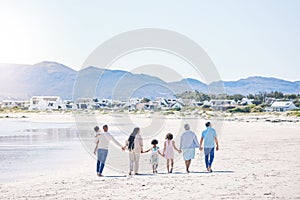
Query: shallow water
point(33, 148)
point(27, 147)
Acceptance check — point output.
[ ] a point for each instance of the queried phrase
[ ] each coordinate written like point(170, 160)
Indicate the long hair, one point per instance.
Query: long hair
point(135, 131)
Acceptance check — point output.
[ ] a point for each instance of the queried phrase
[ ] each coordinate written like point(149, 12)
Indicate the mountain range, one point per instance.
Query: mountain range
point(51, 78)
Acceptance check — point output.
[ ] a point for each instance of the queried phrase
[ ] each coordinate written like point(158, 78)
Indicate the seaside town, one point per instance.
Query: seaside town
point(149, 100)
point(272, 102)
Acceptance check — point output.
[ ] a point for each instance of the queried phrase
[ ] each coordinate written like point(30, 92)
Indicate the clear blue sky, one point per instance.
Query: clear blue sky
point(243, 38)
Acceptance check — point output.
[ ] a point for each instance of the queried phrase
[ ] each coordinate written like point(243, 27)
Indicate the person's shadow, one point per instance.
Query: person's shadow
point(204, 172)
point(174, 173)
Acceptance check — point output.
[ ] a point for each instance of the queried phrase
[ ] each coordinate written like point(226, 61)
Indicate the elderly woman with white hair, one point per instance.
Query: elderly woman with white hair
point(188, 143)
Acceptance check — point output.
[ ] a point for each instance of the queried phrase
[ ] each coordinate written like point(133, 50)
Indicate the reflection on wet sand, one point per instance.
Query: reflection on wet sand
point(32, 136)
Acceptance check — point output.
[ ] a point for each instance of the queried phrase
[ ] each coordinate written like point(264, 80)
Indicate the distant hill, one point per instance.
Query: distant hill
point(46, 78)
point(258, 84)
point(51, 78)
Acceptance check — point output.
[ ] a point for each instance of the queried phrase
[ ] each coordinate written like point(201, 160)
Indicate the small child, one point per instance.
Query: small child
point(154, 155)
point(97, 131)
point(168, 151)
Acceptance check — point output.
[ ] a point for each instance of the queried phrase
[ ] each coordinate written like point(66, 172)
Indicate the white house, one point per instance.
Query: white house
point(270, 100)
point(217, 104)
point(14, 103)
point(189, 102)
point(171, 101)
point(135, 101)
point(245, 101)
point(69, 104)
point(162, 102)
point(46, 103)
point(152, 105)
point(129, 106)
point(283, 106)
point(84, 103)
point(176, 105)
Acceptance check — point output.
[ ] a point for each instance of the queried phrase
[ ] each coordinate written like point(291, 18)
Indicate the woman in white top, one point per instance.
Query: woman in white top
point(102, 142)
point(135, 146)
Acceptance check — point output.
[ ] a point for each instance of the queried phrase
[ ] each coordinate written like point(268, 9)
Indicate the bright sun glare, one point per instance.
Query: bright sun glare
point(15, 38)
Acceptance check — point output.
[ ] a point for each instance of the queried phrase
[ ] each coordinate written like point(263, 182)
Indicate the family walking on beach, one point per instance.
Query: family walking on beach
point(134, 144)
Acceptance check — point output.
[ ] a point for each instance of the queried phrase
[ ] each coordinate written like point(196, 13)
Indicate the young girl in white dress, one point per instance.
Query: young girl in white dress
point(168, 151)
point(154, 155)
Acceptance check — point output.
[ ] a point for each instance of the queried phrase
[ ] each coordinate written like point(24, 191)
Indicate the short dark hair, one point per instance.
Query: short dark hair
point(96, 128)
point(207, 124)
point(153, 142)
point(169, 136)
point(105, 126)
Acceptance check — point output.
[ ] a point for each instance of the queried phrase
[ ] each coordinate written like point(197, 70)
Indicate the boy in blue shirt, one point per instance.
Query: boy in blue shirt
point(210, 138)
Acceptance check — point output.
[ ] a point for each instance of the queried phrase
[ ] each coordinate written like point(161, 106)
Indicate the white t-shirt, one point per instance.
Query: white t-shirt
point(103, 140)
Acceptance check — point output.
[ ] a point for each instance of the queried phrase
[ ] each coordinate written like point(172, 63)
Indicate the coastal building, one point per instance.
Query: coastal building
point(152, 105)
point(222, 105)
point(70, 105)
point(171, 101)
point(117, 104)
point(46, 103)
point(283, 106)
point(106, 102)
point(162, 102)
point(270, 100)
point(129, 106)
point(84, 103)
point(14, 103)
point(176, 105)
point(135, 101)
point(245, 101)
point(189, 102)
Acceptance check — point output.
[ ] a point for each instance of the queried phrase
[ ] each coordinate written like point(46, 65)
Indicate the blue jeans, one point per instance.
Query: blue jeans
point(209, 156)
point(101, 158)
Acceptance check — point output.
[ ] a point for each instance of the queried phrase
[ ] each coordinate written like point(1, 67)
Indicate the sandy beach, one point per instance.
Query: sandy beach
point(257, 159)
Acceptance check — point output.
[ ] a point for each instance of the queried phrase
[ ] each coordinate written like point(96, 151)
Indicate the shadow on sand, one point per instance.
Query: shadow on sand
point(174, 173)
point(124, 176)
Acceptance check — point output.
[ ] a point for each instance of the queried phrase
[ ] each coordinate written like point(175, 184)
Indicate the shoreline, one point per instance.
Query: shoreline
point(249, 165)
point(274, 117)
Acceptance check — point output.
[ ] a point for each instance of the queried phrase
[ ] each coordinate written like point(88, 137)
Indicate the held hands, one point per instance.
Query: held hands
point(179, 151)
point(145, 151)
point(201, 148)
point(217, 148)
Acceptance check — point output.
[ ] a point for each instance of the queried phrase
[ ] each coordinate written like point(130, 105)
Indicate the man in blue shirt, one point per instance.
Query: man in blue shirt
point(210, 138)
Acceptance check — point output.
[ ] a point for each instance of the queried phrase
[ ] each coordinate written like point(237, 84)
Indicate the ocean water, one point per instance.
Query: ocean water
point(28, 147)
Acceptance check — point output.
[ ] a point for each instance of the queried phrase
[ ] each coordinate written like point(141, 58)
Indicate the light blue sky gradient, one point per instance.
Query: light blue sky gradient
point(243, 38)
